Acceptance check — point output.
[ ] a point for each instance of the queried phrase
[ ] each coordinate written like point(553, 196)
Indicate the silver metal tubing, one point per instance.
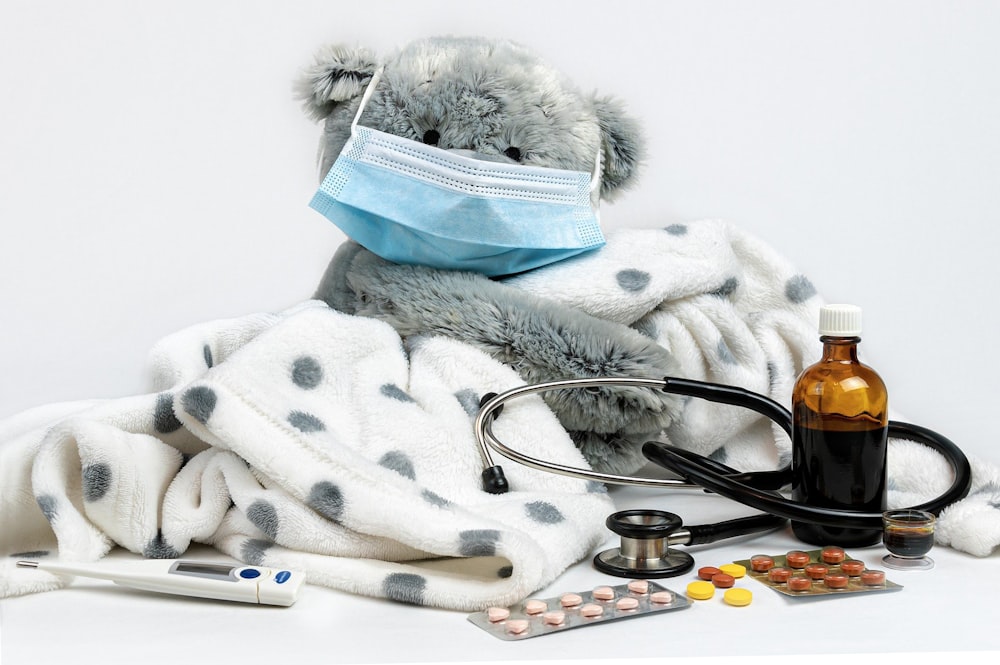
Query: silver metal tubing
point(486, 439)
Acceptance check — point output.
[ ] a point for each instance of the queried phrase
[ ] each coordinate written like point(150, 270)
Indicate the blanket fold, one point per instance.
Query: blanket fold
point(311, 440)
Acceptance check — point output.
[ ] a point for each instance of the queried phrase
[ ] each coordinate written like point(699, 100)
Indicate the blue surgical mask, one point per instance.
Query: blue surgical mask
point(418, 204)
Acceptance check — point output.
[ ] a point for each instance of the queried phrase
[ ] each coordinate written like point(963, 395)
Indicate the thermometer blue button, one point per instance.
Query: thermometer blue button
point(282, 577)
point(250, 573)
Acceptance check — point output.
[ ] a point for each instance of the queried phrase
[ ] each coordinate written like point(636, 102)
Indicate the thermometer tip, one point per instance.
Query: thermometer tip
point(27, 564)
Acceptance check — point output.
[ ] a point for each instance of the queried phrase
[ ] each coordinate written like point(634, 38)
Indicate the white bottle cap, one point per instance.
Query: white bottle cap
point(840, 321)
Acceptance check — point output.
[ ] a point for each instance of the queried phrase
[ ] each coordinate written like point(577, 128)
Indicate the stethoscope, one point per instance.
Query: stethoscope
point(647, 535)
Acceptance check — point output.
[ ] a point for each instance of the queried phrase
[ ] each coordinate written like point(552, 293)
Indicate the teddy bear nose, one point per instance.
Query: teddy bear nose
point(431, 137)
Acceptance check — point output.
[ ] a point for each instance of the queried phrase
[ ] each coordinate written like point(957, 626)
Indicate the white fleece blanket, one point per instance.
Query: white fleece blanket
point(310, 440)
point(316, 440)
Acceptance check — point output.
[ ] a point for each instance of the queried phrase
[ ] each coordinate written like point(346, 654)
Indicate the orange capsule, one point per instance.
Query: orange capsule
point(836, 580)
point(852, 567)
point(873, 578)
point(797, 558)
point(761, 563)
point(723, 581)
point(779, 575)
point(817, 571)
point(833, 554)
point(798, 583)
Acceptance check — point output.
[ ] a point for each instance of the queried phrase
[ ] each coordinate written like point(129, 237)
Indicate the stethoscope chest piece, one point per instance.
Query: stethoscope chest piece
point(645, 550)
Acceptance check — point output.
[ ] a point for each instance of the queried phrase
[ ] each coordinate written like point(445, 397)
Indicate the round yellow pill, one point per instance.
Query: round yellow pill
point(700, 590)
point(738, 597)
point(734, 569)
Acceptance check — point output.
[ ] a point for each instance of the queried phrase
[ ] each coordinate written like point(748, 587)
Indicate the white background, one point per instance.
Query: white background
point(155, 169)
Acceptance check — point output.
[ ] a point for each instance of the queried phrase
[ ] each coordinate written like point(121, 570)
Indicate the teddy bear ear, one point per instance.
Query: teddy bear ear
point(623, 144)
point(338, 74)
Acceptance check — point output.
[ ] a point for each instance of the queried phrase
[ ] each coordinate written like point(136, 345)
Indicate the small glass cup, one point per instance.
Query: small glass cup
point(909, 536)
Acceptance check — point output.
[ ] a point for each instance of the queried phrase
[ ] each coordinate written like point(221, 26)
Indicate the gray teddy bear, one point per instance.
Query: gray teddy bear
point(498, 101)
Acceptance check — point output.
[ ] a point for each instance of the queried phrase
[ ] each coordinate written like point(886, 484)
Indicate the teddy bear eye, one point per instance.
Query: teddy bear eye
point(431, 137)
point(513, 153)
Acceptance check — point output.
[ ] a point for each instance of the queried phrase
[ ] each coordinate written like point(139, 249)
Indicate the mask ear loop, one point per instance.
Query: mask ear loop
point(368, 95)
point(595, 182)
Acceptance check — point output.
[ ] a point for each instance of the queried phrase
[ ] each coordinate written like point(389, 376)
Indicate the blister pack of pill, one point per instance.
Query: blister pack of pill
point(535, 617)
point(825, 572)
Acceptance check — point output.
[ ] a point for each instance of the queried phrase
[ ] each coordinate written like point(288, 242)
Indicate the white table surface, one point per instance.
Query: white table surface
point(950, 608)
point(814, 125)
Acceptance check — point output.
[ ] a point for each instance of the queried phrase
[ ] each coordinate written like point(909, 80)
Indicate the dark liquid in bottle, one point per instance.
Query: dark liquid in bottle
point(843, 470)
point(909, 542)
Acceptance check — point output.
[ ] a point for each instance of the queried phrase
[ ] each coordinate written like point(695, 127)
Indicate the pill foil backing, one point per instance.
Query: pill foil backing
point(614, 608)
point(817, 587)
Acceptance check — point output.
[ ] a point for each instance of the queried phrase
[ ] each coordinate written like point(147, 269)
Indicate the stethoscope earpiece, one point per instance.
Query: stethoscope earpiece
point(645, 550)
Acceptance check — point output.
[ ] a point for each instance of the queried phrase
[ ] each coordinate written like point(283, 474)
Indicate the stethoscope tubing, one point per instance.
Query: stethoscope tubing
point(699, 472)
point(731, 488)
point(487, 440)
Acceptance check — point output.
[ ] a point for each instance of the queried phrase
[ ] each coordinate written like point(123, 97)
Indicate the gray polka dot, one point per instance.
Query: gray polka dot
point(727, 289)
point(433, 499)
point(413, 343)
point(404, 587)
point(725, 353)
point(647, 328)
point(393, 391)
point(265, 517)
point(164, 420)
point(48, 504)
point(478, 542)
point(505, 571)
point(633, 280)
point(305, 422)
point(469, 401)
point(252, 551)
point(34, 554)
point(158, 548)
point(676, 229)
point(325, 498)
point(399, 462)
point(306, 372)
point(543, 512)
point(96, 481)
point(199, 402)
point(799, 289)
point(206, 351)
point(991, 487)
point(595, 487)
point(719, 455)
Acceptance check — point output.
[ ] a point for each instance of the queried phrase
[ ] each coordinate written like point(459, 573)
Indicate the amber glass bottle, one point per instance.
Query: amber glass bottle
point(840, 424)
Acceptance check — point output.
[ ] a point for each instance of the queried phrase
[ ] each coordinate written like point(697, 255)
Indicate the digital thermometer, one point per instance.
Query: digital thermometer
point(204, 579)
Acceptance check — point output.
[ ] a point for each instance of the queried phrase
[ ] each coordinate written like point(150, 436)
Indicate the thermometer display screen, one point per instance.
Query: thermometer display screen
point(212, 571)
